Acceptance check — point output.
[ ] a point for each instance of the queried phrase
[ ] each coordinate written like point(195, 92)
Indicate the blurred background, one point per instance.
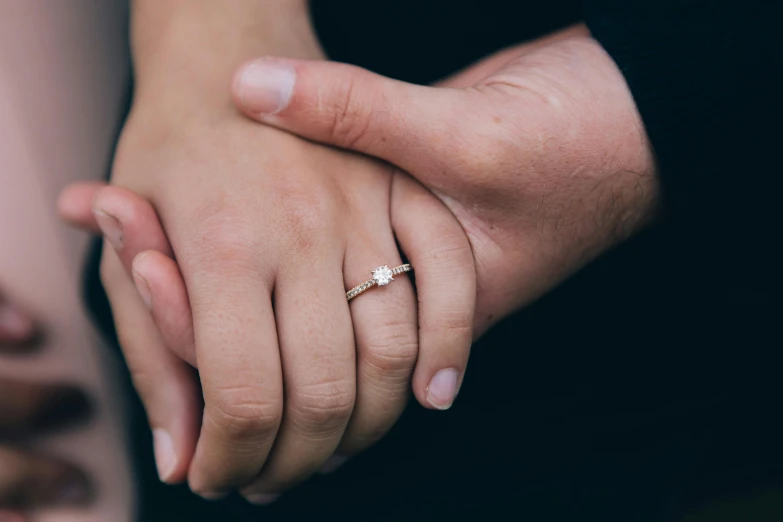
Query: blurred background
point(64, 76)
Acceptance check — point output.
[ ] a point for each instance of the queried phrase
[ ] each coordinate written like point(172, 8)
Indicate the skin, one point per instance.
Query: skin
point(538, 152)
point(268, 231)
point(345, 382)
point(29, 480)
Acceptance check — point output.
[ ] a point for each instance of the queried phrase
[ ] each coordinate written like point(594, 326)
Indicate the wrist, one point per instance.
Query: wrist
point(185, 55)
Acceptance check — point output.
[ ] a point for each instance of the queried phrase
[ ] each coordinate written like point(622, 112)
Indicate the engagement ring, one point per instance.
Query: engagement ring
point(381, 276)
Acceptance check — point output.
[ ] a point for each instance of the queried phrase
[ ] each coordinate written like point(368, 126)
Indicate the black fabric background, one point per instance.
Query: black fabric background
point(648, 382)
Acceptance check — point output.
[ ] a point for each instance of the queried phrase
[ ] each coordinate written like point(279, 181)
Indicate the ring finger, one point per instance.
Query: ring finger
point(385, 327)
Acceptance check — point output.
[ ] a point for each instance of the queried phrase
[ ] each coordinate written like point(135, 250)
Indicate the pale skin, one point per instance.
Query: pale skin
point(268, 231)
point(538, 154)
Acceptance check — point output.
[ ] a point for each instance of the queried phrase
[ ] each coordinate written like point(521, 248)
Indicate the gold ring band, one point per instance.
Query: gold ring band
point(381, 276)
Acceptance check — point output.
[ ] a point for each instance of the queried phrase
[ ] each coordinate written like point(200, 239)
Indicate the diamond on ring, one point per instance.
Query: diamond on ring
point(381, 276)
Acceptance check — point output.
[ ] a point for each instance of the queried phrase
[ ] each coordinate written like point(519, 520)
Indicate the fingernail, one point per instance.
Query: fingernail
point(165, 458)
point(213, 495)
point(143, 287)
point(110, 227)
point(443, 389)
point(265, 86)
point(332, 464)
point(262, 499)
point(15, 324)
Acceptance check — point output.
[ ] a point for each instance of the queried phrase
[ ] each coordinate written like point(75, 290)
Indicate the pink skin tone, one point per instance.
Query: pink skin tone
point(537, 151)
point(140, 244)
point(266, 272)
point(125, 225)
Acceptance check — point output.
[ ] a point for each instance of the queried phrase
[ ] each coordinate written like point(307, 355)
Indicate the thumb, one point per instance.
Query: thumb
point(352, 108)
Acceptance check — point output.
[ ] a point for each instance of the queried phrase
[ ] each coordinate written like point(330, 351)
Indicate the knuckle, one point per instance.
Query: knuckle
point(454, 324)
point(241, 413)
point(224, 242)
point(223, 235)
point(306, 216)
point(350, 122)
point(391, 350)
point(450, 259)
point(324, 406)
point(451, 249)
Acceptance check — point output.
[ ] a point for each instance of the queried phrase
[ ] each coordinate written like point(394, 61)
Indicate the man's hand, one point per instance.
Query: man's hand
point(539, 151)
point(29, 480)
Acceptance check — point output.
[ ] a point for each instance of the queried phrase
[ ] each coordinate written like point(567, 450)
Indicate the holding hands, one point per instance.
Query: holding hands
point(522, 169)
point(539, 151)
point(268, 235)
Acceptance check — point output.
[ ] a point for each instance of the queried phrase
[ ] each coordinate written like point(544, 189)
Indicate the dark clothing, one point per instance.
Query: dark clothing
point(646, 382)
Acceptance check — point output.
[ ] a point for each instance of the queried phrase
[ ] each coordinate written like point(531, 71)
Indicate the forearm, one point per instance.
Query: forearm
point(185, 52)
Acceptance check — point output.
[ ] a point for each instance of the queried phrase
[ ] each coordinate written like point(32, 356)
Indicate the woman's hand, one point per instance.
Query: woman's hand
point(29, 480)
point(539, 151)
point(268, 232)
